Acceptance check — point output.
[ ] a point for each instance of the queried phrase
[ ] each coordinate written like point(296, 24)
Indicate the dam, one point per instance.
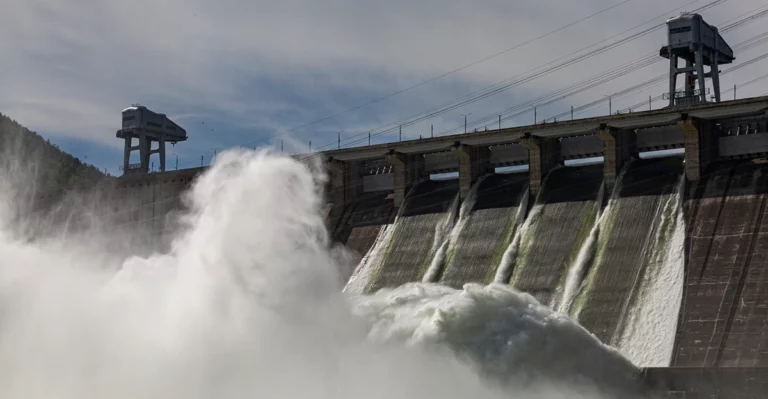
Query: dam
point(661, 257)
point(647, 228)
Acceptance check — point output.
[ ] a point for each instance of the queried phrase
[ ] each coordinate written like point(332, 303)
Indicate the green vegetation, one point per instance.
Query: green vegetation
point(379, 266)
point(527, 239)
point(591, 216)
point(49, 166)
point(606, 229)
point(509, 234)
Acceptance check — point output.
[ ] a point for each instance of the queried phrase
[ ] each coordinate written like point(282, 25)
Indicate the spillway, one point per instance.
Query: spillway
point(363, 221)
point(648, 326)
point(626, 245)
point(724, 312)
point(567, 209)
point(487, 231)
point(410, 249)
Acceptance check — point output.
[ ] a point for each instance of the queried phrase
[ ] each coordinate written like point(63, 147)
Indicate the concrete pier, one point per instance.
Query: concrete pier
point(701, 145)
point(543, 155)
point(706, 131)
point(618, 147)
point(408, 169)
point(474, 162)
point(346, 180)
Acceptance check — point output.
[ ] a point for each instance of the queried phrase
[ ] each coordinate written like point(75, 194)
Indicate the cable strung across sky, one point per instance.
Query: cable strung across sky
point(430, 80)
point(546, 69)
point(662, 79)
point(606, 76)
point(518, 79)
point(531, 75)
point(749, 43)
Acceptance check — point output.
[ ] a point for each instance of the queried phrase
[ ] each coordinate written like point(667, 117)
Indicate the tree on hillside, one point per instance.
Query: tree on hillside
point(24, 151)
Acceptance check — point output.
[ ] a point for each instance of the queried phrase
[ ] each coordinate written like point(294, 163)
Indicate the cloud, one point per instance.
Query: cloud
point(254, 69)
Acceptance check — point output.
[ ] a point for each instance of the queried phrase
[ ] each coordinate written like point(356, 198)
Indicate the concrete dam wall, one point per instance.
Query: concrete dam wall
point(554, 231)
point(603, 255)
point(487, 230)
point(724, 315)
point(600, 254)
point(664, 259)
point(671, 273)
point(417, 234)
point(141, 210)
point(593, 253)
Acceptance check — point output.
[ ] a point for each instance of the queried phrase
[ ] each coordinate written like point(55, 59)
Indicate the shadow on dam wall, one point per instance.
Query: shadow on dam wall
point(625, 245)
point(561, 219)
point(724, 317)
point(139, 214)
point(410, 249)
point(487, 231)
point(711, 382)
point(363, 220)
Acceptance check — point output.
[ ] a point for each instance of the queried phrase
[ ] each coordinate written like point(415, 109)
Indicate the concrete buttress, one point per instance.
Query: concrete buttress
point(618, 147)
point(408, 169)
point(543, 155)
point(346, 183)
point(701, 146)
point(474, 162)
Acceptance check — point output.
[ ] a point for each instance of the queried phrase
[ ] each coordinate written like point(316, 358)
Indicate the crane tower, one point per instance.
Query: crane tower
point(147, 126)
point(698, 44)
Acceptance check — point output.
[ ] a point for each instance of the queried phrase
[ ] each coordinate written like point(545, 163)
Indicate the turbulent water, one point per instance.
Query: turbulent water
point(247, 303)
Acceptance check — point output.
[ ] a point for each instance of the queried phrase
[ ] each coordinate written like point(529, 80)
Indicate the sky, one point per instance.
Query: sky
point(260, 73)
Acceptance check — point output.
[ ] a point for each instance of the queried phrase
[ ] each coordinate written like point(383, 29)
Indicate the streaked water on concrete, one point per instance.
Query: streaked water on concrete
point(567, 212)
point(487, 231)
point(626, 246)
point(247, 303)
point(650, 321)
point(362, 223)
point(411, 247)
point(577, 270)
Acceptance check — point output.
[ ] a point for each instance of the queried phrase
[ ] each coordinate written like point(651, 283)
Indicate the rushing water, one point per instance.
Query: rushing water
point(247, 303)
point(649, 336)
point(450, 233)
point(576, 272)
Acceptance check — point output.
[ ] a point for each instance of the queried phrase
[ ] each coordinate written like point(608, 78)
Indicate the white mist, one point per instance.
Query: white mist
point(247, 304)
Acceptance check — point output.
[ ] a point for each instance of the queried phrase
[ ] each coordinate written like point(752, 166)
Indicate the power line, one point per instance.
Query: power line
point(617, 72)
point(747, 44)
point(520, 79)
point(756, 40)
point(736, 24)
point(459, 69)
point(569, 91)
point(746, 20)
point(494, 90)
point(611, 75)
point(597, 102)
point(504, 85)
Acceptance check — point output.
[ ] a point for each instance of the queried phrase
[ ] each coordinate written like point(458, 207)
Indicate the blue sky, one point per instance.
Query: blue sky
point(238, 72)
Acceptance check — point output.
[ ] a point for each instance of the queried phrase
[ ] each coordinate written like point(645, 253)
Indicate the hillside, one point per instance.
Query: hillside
point(49, 166)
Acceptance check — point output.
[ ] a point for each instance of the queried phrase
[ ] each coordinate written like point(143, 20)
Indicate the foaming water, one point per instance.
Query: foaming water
point(247, 303)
